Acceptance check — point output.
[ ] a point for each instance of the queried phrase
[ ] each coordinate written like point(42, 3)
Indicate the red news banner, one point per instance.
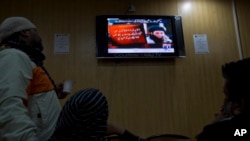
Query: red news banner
point(126, 34)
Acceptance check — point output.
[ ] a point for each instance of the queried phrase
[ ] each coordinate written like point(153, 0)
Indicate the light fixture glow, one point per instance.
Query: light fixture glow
point(186, 6)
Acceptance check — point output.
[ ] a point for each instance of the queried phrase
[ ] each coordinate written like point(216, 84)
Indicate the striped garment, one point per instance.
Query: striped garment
point(83, 118)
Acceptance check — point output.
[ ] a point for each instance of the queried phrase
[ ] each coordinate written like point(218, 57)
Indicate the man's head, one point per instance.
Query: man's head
point(157, 31)
point(25, 29)
point(237, 81)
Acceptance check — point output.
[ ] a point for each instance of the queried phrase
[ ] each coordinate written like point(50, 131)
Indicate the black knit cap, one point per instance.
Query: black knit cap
point(156, 27)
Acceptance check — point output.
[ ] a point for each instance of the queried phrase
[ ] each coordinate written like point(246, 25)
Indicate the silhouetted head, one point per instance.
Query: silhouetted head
point(237, 82)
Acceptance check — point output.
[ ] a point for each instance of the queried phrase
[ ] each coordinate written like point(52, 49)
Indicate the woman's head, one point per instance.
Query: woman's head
point(84, 116)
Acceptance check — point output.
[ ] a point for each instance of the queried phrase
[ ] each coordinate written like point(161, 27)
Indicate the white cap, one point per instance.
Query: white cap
point(14, 24)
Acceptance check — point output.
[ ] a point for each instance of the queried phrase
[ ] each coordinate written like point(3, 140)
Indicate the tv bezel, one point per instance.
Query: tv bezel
point(102, 37)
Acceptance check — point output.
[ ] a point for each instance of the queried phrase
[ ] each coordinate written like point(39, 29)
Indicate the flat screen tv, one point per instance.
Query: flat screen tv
point(139, 36)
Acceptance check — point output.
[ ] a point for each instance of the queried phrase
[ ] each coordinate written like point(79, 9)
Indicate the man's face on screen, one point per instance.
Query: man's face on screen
point(158, 33)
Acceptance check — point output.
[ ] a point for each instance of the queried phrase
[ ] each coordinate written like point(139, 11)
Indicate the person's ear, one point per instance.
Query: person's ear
point(24, 33)
point(242, 104)
point(238, 107)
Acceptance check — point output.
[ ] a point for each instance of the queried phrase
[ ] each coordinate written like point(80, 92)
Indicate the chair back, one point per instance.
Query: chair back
point(168, 137)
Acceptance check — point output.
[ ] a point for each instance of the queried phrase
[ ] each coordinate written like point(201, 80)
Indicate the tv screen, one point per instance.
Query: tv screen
point(139, 36)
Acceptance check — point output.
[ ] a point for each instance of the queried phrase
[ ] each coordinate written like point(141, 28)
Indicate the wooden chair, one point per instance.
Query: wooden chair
point(168, 137)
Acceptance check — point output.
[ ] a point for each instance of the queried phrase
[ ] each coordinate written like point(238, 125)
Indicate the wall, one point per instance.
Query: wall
point(242, 8)
point(147, 97)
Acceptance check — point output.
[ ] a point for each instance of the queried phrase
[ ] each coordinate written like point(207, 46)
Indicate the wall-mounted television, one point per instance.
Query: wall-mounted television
point(139, 36)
